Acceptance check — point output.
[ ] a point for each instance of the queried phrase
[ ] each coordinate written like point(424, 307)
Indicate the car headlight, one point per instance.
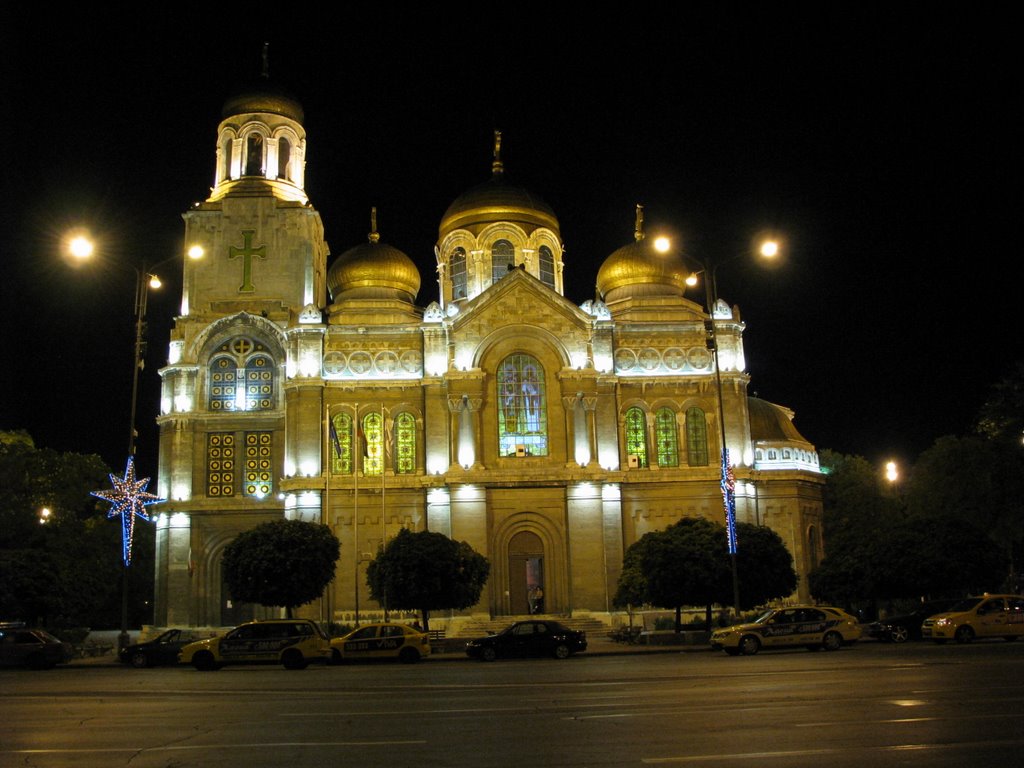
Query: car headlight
point(943, 622)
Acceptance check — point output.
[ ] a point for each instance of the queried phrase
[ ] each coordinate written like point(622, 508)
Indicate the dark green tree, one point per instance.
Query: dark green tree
point(427, 571)
point(66, 572)
point(282, 563)
point(764, 566)
point(685, 564)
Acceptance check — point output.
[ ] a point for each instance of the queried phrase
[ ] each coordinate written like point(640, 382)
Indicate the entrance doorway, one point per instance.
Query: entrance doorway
point(526, 586)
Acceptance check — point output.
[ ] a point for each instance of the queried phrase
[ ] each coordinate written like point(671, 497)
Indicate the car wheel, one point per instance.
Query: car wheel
point(832, 641)
point(488, 654)
point(899, 634)
point(562, 651)
point(409, 656)
point(964, 634)
point(294, 660)
point(749, 645)
point(139, 660)
point(204, 662)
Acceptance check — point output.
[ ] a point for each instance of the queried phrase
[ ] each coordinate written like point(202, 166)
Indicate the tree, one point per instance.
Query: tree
point(764, 566)
point(427, 571)
point(685, 564)
point(282, 563)
point(66, 573)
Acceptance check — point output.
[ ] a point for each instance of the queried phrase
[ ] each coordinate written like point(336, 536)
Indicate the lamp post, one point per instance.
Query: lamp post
point(767, 249)
point(82, 249)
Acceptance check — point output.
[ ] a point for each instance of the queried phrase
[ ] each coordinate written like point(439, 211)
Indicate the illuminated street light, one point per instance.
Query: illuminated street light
point(45, 515)
point(891, 472)
point(768, 249)
point(81, 247)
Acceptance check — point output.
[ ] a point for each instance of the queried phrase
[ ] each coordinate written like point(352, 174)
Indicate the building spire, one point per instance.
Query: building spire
point(497, 167)
point(638, 231)
point(374, 235)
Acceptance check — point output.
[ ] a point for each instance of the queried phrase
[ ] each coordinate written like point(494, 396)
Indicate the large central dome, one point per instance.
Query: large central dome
point(496, 200)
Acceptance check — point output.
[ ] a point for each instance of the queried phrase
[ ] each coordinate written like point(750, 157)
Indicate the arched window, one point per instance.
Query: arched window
point(696, 438)
point(636, 436)
point(457, 272)
point(373, 437)
point(241, 377)
point(666, 436)
point(225, 159)
point(522, 407)
point(405, 444)
point(341, 444)
point(546, 262)
point(254, 155)
point(284, 157)
point(502, 259)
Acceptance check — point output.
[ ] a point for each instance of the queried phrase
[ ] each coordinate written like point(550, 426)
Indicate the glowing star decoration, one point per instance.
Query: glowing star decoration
point(128, 499)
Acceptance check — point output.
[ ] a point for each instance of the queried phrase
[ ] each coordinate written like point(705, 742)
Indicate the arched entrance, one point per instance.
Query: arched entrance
point(526, 585)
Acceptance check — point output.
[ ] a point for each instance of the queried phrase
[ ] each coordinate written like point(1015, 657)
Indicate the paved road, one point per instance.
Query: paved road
point(912, 705)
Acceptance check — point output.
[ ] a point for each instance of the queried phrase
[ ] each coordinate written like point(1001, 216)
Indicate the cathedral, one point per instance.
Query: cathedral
point(489, 407)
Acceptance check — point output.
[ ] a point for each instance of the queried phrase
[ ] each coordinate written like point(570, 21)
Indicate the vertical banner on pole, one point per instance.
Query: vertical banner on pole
point(729, 500)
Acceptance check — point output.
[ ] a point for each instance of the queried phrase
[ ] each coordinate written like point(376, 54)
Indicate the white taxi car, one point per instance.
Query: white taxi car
point(810, 626)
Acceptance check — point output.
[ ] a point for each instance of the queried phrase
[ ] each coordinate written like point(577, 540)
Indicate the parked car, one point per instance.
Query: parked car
point(22, 646)
point(161, 650)
point(529, 638)
point(811, 626)
point(906, 626)
point(291, 642)
point(386, 640)
point(985, 616)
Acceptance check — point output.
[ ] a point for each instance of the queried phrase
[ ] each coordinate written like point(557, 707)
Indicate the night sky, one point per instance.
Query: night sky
point(881, 146)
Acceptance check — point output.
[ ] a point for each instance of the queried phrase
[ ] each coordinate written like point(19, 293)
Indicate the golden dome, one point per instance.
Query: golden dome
point(638, 269)
point(263, 96)
point(373, 270)
point(772, 423)
point(496, 200)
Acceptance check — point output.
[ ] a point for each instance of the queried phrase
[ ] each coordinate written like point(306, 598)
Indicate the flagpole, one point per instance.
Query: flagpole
point(355, 503)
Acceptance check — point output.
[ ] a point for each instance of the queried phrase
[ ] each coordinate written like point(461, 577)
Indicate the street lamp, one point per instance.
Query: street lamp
point(82, 248)
point(767, 249)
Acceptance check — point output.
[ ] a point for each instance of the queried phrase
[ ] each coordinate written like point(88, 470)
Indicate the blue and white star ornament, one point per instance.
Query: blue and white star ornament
point(129, 499)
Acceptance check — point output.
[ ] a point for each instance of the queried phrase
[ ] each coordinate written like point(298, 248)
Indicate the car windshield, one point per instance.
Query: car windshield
point(764, 617)
point(965, 605)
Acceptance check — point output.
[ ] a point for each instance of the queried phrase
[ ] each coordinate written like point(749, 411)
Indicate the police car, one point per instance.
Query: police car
point(291, 642)
point(384, 640)
point(810, 626)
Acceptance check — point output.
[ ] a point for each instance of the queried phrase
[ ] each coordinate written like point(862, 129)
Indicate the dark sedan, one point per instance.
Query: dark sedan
point(161, 650)
point(906, 626)
point(529, 638)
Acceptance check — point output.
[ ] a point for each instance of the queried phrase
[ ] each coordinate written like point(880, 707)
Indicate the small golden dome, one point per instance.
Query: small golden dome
point(373, 270)
point(496, 200)
point(638, 269)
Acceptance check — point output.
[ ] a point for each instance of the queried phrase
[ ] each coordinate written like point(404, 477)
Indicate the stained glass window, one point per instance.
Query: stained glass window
point(405, 444)
point(258, 466)
point(696, 438)
point(220, 464)
point(667, 437)
point(502, 258)
point(547, 267)
point(636, 435)
point(373, 437)
point(341, 444)
point(457, 271)
point(241, 377)
point(522, 409)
